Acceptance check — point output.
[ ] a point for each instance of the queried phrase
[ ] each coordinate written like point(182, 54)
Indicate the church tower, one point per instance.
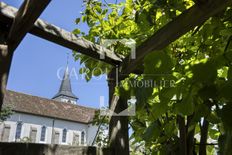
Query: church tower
point(65, 93)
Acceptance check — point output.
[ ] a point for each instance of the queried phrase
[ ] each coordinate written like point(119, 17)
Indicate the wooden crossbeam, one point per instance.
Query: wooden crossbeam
point(27, 14)
point(21, 24)
point(62, 37)
point(185, 22)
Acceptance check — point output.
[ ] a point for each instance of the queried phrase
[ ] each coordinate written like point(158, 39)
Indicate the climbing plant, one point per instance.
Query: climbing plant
point(183, 101)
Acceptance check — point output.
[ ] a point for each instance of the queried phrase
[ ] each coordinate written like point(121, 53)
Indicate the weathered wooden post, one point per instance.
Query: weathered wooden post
point(3, 75)
point(118, 127)
point(5, 61)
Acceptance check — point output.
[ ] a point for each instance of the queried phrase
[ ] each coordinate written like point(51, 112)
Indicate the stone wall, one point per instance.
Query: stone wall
point(43, 149)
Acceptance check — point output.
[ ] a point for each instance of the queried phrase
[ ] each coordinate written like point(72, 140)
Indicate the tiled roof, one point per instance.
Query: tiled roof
point(49, 108)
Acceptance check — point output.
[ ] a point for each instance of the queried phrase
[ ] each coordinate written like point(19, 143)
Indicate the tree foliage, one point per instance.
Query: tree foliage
point(5, 113)
point(196, 108)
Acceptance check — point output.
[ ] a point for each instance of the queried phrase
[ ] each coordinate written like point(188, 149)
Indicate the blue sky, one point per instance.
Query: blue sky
point(36, 61)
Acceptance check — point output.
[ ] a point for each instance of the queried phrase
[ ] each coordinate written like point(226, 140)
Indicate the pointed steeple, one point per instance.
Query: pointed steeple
point(65, 93)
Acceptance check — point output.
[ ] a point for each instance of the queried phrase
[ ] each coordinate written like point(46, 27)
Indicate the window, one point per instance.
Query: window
point(33, 134)
point(57, 137)
point(82, 137)
point(18, 130)
point(43, 134)
point(64, 100)
point(64, 135)
point(6, 133)
point(76, 139)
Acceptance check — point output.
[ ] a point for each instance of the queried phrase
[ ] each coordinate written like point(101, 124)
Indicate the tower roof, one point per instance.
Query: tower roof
point(65, 87)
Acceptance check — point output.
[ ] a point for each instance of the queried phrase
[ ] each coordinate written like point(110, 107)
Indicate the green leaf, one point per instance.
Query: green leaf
point(169, 93)
point(142, 95)
point(157, 64)
point(204, 72)
point(159, 109)
point(98, 8)
point(82, 70)
point(170, 128)
point(226, 115)
point(83, 18)
point(229, 74)
point(76, 31)
point(225, 91)
point(97, 72)
point(226, 32)
point(208, 91)
point(152, 132)
point(104, 11)
point(78, 20)
point(201, 110)
point(186, 106)
point(213, 118)
point(214, 134)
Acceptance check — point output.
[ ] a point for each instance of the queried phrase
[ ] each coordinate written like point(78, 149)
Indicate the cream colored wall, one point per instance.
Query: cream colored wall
point(38, 121)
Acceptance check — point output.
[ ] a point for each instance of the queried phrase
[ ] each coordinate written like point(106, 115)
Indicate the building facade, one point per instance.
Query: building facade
point(51, 121)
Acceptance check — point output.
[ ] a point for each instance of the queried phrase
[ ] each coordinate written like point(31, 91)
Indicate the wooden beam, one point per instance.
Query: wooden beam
point(5, 61)
point(24, 21)
point(79, 44)
point(62, 37)
point(200, 2)
point(118, 126)
point(185, 22)
point(119, 130)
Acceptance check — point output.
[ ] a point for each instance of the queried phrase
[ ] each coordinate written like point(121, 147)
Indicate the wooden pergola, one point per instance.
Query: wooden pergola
point(15, 24)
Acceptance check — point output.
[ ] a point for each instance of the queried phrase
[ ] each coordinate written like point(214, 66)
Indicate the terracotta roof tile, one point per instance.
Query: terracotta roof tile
point(24, 103)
